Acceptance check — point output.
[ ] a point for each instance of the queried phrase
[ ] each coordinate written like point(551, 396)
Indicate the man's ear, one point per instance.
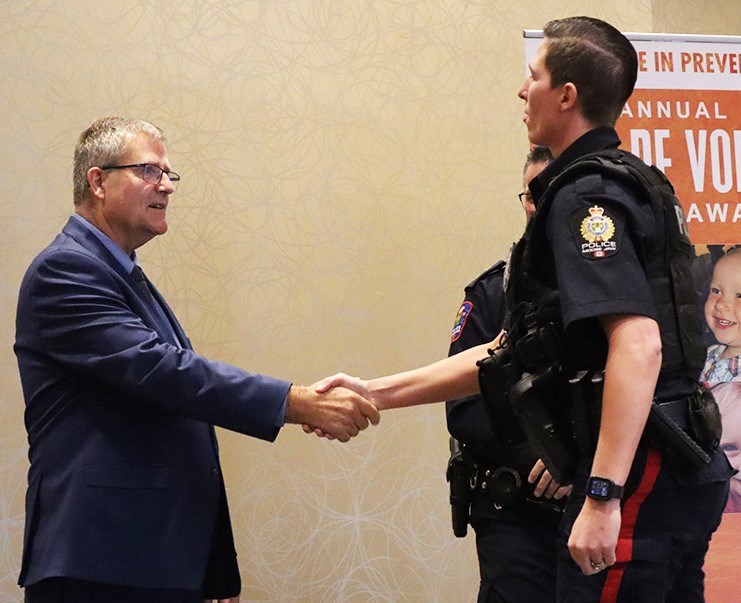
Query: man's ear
point(569, 95)
point(95, 182)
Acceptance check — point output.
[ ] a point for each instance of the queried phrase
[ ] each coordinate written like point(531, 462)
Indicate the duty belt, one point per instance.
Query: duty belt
point(506, 489)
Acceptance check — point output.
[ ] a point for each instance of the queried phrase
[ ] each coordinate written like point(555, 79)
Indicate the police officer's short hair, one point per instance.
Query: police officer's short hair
point(599, 60)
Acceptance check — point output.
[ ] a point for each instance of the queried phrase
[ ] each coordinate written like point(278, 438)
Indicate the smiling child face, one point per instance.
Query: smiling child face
point(723, 306)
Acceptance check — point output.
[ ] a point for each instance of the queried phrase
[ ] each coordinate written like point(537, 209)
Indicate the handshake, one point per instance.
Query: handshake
point(337, 407)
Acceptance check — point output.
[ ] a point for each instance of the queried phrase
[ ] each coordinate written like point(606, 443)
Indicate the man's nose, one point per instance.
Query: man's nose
point(166, 184)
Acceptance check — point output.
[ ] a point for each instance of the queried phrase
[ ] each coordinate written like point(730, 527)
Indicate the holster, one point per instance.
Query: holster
point(688, 428)
point(460, 475)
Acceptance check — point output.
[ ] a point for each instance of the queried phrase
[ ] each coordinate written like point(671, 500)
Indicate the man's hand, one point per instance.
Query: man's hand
point(593, 538)
point(546, 485)
point(333, 412)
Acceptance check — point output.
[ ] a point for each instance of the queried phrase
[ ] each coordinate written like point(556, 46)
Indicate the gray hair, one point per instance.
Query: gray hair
point(102, 143)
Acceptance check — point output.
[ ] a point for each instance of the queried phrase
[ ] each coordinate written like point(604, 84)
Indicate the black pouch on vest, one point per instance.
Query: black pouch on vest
point(705, 420)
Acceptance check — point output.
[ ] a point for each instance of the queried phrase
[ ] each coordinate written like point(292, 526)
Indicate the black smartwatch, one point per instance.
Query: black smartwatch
point(601, 488)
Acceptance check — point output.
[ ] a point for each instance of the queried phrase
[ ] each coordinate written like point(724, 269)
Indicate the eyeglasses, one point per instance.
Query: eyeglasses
point(525, 197)
point(150, 172)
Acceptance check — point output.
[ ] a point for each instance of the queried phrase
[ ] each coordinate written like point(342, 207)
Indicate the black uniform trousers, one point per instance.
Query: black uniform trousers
point(662, 541)
point(517, 553)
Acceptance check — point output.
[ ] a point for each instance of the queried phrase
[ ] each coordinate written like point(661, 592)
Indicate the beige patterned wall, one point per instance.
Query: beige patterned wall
point(347, 167)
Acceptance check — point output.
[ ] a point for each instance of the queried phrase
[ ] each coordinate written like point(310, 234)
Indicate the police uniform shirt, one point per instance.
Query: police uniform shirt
point(481, 315)
point(479, 319)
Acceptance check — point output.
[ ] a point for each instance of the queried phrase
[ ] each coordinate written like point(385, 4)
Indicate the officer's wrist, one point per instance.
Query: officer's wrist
point(603, 489)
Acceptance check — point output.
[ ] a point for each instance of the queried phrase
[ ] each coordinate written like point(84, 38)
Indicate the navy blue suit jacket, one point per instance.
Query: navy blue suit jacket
point(124, 482)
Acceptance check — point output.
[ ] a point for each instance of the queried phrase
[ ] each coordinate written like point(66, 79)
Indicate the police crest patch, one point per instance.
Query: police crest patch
point(460, 320)
point(595, 233)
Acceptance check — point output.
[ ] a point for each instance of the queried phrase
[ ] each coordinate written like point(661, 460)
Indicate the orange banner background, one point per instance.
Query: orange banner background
point(694, 136)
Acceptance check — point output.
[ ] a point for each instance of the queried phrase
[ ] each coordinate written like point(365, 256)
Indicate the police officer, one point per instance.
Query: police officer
point(515, 521)
point(638, 522)
point(639, 519)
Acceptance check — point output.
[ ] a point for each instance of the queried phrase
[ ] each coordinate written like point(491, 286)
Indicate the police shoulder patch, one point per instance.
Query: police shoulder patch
point(595, 232)
point(460, 320)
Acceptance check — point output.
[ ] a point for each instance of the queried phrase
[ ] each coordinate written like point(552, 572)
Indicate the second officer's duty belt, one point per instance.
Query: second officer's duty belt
point(506, 488)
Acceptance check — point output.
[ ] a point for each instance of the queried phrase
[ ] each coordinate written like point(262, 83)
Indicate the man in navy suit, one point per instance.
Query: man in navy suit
point(126, 501)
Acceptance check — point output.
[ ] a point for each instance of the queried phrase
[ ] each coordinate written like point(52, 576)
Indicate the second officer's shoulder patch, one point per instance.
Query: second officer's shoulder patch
point(460, 320)
point(596, 232)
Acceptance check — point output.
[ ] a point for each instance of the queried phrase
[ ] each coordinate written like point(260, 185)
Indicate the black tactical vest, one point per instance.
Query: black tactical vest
point(668, 266)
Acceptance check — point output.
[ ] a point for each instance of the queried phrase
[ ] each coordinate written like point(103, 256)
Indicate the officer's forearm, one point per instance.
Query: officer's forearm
point(633, 364)
point(452, 377)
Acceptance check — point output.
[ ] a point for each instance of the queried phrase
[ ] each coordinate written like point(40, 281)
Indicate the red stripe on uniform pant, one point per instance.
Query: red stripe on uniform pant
point(629, 516)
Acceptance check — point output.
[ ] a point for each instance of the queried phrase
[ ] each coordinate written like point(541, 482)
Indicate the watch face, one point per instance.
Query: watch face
point(599, 488)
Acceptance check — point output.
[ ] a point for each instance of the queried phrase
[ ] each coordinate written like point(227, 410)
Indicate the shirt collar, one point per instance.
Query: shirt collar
point(126, 262)
point(594, 140)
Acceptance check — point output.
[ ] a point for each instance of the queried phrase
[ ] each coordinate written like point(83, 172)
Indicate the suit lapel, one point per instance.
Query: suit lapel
point(179, 333)
point(171, 332)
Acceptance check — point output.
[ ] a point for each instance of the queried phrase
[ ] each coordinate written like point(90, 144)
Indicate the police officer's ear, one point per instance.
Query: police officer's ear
point(568, 98)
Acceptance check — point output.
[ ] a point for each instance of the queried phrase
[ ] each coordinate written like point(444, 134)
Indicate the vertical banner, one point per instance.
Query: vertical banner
point(684, 118)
